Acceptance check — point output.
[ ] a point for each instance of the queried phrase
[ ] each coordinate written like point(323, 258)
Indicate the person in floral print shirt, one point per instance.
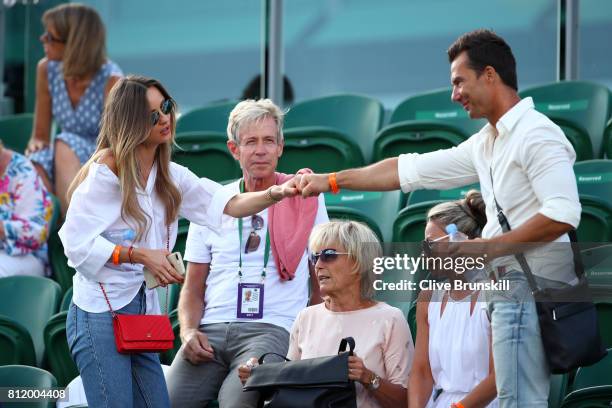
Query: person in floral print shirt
point(25, 211)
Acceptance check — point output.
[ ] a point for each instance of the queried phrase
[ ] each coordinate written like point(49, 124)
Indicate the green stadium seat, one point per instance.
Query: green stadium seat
point(590, 397)
point(558, 389)
point(321, 149)
point(15, 131)
point(376, 209)
point(595, 220)
point(62, 273)
point(419, 196)
point(412, 320)
point(425, 123)
point(604, 316)
point(409, 225)
point(358, 117)
point(16, 345)
point(30, 301)
point(594, 181)
point(608, 140)
point(597, 261)
point(168, 356)
point(66, 300)
point(437, 107)
point(594, 178)
point(211, 117)
point(58, 355)
point(591, 386)
point(181, 236)
point(21, 376)
point(206, 154)
point(345, 213)
point(416, 137)
point(580, 108)
point(578, 137)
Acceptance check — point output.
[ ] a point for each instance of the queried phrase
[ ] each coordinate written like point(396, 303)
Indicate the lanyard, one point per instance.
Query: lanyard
point(266, 250)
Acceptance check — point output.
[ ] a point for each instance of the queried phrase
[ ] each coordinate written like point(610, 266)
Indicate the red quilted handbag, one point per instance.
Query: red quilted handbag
point(141, 333)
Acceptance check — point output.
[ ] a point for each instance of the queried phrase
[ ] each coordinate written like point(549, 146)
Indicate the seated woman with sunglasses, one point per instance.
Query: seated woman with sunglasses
point(453, 366)
point(123, 216)
point(72, 81)
point(343, 253)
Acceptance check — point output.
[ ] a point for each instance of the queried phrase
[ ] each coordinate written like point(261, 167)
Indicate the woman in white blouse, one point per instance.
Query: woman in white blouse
point(123, 216)
point(453, 364)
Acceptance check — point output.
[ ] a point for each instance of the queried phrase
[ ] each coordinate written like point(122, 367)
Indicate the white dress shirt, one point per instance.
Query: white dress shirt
point(282, 299)
point(531, 161)
point(95, 212)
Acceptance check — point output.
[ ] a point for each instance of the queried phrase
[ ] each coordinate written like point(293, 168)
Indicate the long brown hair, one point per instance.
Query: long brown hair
point(126, 123)
point(82, 29)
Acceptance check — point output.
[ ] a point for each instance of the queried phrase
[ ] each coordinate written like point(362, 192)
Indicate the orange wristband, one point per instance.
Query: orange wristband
point(333, 183)
point(458, 405)
point(116, 253)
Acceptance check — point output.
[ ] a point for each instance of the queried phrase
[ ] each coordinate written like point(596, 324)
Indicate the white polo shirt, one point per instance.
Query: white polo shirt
point(282, 299)
point(531, 160)
point(95, 212)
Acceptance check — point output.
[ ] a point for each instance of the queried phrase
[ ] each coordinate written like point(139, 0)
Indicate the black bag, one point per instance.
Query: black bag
point(310, 383)
point(568, 319)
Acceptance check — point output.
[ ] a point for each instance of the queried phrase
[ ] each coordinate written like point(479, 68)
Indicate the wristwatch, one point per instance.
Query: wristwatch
point(374, 382)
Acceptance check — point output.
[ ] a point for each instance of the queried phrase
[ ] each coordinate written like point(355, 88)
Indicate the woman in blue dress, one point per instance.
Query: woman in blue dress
point(72, 81)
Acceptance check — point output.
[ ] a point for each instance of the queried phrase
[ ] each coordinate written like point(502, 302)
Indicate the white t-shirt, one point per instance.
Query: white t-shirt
point(282, 299)
point(95, 212)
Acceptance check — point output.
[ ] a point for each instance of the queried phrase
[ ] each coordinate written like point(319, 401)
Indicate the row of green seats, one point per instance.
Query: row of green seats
point(343, 131)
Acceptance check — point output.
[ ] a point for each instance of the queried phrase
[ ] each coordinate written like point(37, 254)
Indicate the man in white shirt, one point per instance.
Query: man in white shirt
point(235, 303)
point(522, 159)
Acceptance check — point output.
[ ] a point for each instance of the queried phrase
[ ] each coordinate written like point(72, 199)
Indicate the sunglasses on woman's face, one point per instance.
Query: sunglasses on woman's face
point(326, 255)
point(166, 107)
point(254, 239)
point(427, 245)
point(48, 37)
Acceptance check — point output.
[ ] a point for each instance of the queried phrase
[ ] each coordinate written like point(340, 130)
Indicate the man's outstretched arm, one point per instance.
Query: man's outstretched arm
point(380, 176)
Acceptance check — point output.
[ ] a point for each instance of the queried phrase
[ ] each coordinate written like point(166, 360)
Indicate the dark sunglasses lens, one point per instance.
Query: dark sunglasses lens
point(154, 118)
point(328, 255)
point(167, 106)
point(257, 222)
point(252, 243)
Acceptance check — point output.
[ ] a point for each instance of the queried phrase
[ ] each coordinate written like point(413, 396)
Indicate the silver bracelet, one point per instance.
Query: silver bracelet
point(269, 195)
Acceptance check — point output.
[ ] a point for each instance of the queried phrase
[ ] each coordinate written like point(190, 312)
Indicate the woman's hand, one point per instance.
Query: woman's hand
point(155, 261)
point(358, 371)
point(244, 370)
point(35, 145)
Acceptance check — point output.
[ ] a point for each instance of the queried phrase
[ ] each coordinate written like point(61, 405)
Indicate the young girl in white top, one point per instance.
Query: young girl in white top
point(453, 364)
point(123, 216)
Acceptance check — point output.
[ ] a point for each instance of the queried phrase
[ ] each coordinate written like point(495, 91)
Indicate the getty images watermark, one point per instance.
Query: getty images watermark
point(466, 269)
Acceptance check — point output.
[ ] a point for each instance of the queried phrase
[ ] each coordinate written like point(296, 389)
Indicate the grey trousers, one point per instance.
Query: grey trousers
point(233, 344)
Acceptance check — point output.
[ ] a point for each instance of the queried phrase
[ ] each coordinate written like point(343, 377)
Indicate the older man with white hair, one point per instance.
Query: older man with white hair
point(247, 282)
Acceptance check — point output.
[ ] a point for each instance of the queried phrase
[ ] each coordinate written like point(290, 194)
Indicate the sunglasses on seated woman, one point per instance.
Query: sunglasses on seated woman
point(326, 255)
point(166, 107)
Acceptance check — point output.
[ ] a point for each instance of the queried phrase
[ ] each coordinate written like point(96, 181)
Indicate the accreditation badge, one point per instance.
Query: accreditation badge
point(250, 301)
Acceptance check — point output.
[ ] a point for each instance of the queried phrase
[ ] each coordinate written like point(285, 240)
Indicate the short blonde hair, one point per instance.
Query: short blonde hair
point(251, 111)
point(82, 29)
point(358, 240)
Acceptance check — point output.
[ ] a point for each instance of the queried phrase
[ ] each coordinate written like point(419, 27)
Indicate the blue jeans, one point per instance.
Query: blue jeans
point(522, 375)
point(111, 379)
